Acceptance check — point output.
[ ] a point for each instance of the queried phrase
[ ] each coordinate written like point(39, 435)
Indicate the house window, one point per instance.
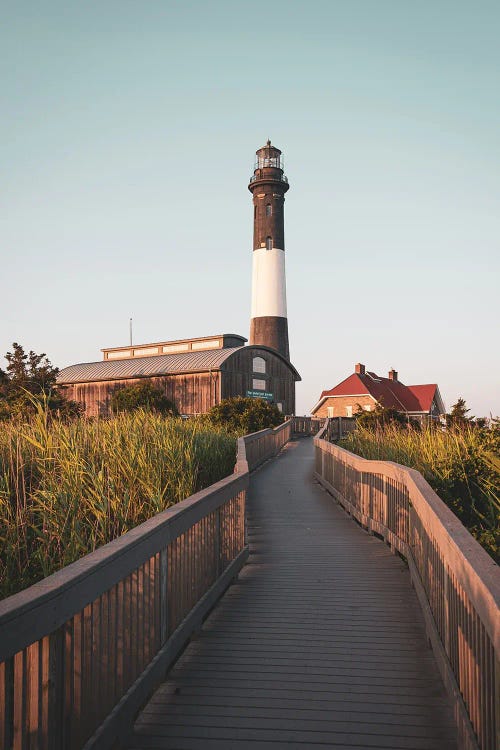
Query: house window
point(329, 411)
point(348, 411)
point(269, 210)
point(259, 364)
point(269, 243)
point(367, 407)
point(279, 404)
point(258, 385)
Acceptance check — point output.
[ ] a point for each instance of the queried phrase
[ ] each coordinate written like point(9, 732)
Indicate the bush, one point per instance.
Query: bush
point(142, 396)
point(380, 416)
point(245, 415)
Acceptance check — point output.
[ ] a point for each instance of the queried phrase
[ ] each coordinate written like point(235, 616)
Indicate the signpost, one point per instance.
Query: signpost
point(260, 394)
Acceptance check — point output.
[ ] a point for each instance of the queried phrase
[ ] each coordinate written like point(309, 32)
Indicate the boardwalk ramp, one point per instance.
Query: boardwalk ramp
point(319, 643)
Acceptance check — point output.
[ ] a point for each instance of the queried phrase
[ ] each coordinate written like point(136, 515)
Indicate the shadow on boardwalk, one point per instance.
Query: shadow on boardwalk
point(320, 642)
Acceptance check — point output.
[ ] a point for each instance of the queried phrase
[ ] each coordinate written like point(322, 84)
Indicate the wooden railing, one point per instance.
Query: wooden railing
point(306, 425)
point(339, 427)
point(267, 443)
point(81, 650)
point(457, 583)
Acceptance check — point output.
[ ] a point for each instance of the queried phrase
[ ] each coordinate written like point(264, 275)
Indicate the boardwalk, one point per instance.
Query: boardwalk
point(319, 644)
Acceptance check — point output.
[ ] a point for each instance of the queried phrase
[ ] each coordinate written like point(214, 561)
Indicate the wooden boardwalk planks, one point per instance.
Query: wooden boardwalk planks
point(319, 644)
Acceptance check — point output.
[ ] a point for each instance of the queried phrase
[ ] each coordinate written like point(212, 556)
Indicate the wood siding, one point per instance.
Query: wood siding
point(192, 393)
point(196, 393)
point(237, 376)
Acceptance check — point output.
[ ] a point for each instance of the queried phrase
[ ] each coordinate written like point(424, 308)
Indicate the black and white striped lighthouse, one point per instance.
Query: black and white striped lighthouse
point(268, 184)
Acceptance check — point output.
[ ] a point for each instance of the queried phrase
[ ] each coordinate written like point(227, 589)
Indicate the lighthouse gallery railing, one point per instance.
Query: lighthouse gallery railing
point(81, 650)
point(456, 581)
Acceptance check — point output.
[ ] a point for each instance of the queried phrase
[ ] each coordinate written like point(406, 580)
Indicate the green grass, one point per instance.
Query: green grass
point(67, 488)
point(461, 464)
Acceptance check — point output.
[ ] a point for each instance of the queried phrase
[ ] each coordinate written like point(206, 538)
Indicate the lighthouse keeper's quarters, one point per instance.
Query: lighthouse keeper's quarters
point(193, 373)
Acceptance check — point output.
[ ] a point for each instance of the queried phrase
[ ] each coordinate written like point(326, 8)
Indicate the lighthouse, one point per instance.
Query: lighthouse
point(268, 185)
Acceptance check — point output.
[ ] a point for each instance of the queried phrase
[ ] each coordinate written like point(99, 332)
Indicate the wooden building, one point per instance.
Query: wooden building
point(193, 373)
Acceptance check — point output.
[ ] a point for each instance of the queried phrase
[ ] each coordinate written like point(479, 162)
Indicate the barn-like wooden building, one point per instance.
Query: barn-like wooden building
point(193, 373)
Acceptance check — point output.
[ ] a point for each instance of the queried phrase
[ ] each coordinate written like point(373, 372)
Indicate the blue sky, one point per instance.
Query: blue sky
point(127, 138)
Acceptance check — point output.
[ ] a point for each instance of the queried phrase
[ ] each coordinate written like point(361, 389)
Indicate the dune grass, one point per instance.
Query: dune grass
point(67, 488)
point(462, 464)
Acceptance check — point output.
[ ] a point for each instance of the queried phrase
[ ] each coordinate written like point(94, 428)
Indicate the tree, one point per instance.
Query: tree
point(245, 415)
point(142, 396)
point(458, 414)
point(30, 380)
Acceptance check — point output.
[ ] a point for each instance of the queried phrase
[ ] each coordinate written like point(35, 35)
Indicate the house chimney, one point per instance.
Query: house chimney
point(393, 374)
point(359, 369)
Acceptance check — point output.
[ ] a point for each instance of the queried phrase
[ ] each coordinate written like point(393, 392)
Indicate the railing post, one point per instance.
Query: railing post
point(163, 595)
point(218, 542)
point(56, 688)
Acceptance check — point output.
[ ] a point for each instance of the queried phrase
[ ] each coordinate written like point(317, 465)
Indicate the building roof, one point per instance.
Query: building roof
point(157, 365)
point(392, 394)
point(140, 367)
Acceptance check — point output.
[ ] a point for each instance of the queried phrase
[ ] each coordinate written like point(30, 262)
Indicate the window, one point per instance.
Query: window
point(279, 404)
point(269, 210)
point(258, 385)
point(367, 407)
point(348, 411)
point(329, 412)
point(259, 364)
point(269, 243)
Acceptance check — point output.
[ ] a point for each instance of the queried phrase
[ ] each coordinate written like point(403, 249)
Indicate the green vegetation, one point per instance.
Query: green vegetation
point(462, 464)
point(244, 415)
point(30, 380)
point(68, 487)
point(142, 396)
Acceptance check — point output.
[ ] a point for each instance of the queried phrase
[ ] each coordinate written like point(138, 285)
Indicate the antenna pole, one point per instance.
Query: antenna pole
point(130, 326)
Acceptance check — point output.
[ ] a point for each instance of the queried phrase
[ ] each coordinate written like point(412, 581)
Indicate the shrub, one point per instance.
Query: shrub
point(380, 416)
point(245, 415)
point(142, 396)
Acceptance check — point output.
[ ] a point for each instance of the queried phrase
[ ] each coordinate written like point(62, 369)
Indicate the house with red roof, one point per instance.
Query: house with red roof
point(364, 390)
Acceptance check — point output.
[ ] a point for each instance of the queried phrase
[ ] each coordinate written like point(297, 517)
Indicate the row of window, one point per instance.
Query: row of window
point(348, 410)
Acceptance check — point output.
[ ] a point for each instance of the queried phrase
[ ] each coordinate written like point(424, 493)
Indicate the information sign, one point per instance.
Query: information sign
point(260, 394)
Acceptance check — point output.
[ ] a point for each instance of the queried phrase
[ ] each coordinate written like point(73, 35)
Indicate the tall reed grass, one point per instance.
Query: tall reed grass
point(67, 488)
point(461, 464)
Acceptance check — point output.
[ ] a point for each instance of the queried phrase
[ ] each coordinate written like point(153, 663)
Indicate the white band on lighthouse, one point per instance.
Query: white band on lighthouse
point(268, 283)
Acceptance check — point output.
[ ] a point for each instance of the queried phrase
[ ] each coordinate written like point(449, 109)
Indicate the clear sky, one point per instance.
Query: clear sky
point(127, 138)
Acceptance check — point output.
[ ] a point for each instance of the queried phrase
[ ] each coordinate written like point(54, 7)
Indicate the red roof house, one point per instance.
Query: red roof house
point(364, 390)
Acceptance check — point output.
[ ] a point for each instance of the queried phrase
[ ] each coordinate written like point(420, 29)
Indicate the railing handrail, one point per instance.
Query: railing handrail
point(476, 571)
point(456, 581)
point(81, 650)
point(113, 561)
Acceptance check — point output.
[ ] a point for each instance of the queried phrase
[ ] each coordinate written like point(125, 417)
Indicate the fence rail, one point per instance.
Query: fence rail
point(457, 583)
point(306, 425)
point(81, 650)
